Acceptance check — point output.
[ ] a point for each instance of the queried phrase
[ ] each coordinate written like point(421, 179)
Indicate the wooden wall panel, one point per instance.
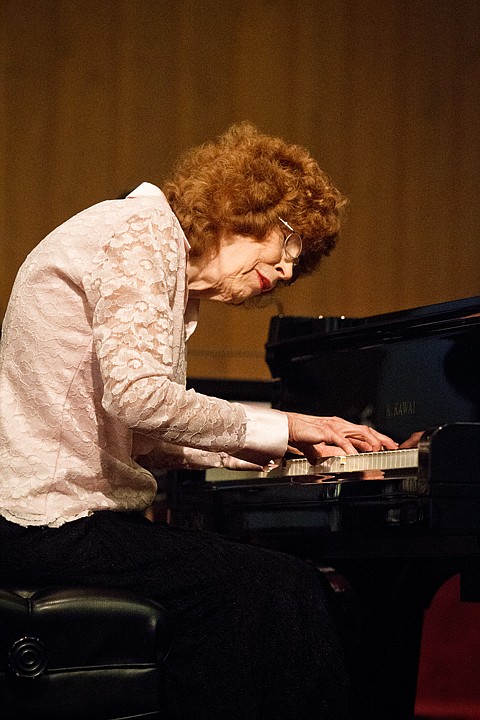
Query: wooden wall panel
point(3, 135)
point(96, 97)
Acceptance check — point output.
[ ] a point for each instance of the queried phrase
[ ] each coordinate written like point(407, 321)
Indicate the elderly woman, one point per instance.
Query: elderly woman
point(92, 390)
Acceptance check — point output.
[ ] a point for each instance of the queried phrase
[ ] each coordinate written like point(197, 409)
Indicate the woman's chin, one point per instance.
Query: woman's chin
point(238, 298)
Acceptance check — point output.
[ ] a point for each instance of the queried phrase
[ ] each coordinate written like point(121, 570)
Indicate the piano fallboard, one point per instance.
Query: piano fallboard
point(400, 372)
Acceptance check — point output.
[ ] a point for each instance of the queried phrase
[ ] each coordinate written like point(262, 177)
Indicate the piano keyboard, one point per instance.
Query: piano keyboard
point(385, 460)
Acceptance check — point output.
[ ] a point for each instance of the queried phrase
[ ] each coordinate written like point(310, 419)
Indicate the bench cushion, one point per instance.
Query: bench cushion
point(81, 652)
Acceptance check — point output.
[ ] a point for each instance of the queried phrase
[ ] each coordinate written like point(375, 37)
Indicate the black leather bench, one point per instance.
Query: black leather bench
point(77, 652)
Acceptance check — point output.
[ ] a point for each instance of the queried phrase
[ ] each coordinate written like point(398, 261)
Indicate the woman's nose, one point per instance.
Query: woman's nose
point(284, 269)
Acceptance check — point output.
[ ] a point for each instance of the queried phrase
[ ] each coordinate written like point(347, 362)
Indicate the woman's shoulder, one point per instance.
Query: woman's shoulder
point(91, 226)
point(144, 200)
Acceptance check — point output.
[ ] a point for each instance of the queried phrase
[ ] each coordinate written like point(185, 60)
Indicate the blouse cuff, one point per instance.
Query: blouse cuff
point(266, 434)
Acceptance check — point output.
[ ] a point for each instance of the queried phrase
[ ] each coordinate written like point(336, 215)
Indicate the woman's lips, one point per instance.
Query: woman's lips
point(265, 283)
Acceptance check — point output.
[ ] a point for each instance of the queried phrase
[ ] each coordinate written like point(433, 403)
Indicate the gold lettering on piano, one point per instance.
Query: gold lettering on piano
point(402, 407)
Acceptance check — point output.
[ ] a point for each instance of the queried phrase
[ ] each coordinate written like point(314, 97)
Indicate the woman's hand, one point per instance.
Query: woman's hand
point(412, 441)
point(318, 437)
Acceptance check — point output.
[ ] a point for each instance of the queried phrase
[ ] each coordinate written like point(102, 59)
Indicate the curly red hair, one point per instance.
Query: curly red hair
point(243, 182)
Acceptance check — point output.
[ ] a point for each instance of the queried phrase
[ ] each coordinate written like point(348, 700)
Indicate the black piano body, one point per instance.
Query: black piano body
point(392, 536)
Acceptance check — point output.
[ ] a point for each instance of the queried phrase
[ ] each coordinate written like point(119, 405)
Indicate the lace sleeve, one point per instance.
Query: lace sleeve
point(137, 291)
point(165, 457)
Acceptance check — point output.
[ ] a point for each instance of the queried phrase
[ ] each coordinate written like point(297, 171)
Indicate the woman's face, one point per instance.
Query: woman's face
point(242, 268)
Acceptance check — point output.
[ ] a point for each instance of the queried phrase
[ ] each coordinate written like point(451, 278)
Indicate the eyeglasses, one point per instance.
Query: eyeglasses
point(292, 246)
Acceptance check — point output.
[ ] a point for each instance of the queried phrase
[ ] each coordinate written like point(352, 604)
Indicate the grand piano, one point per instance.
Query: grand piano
point(385, 529)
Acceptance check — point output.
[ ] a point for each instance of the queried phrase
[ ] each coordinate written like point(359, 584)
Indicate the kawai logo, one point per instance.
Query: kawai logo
point(403, 407)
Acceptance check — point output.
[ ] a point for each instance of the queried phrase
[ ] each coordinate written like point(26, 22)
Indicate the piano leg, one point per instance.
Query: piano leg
point(381, 619)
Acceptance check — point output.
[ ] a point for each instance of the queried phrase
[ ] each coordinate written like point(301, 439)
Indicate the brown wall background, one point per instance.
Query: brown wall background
point(99, 96)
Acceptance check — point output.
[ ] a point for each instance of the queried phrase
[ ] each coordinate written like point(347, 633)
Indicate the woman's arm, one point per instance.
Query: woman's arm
point(137, 294)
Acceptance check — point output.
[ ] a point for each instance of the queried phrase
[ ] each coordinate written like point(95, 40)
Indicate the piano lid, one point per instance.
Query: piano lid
point(400, 372)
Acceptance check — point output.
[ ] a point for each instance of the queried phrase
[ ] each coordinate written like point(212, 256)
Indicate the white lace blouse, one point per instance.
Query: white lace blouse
point(92, 370)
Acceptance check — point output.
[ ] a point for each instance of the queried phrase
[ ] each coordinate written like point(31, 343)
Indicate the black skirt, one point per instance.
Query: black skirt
point(254, 634)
